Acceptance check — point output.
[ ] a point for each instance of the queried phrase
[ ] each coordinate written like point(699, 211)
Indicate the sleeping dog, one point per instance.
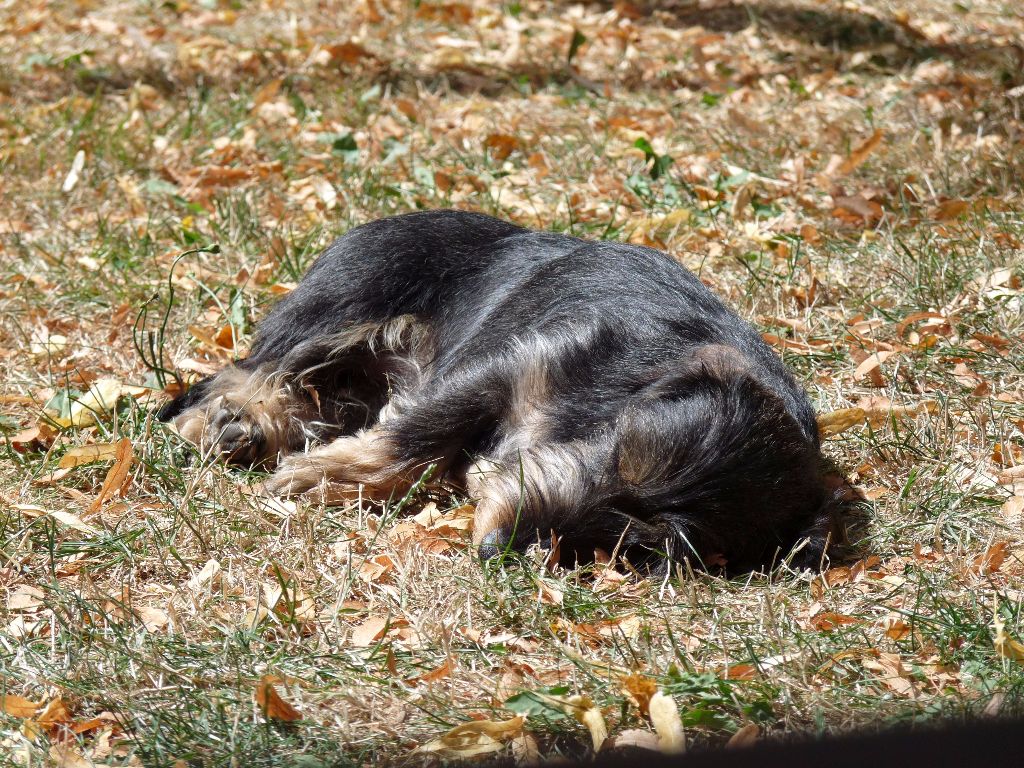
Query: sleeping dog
point(593, 391)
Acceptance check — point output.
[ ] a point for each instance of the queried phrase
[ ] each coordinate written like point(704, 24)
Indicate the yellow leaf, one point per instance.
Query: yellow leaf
point(1005, 645)
point(88, 454)
point(666, 721)
point(17, 706)
point(273, 706)
point(100, 399)
point(836, 422)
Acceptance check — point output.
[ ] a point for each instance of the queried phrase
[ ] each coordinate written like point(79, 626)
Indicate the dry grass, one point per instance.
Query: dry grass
point(140, 626)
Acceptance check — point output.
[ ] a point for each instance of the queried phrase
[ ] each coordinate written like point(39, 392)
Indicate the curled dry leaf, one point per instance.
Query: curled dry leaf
point(665, 718)
point(117, 476)
point(837, 422)
point(639, 689)
point(479, 737)
point(271, 703)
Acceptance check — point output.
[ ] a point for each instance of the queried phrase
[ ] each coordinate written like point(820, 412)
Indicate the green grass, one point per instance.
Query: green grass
point(740, 128)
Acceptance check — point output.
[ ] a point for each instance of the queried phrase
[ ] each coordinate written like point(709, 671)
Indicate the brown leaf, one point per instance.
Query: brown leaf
point(992, 559)
point(741, 672)
point(860, 153)
point(273, 706)
point(117, 476)
point(347, 53)
point(826, 621)
point(219, 176)
point(445, 670)
point(950, 209)
point(501, 145)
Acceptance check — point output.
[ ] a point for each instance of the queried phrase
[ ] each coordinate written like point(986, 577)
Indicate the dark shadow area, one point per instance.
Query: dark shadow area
point(838, 29)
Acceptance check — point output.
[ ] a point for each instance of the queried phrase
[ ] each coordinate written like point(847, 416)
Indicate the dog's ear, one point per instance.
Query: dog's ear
point(682, 418)
point(716, 361)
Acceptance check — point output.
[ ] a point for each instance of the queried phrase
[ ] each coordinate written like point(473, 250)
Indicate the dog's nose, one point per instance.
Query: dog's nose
point(494, 543)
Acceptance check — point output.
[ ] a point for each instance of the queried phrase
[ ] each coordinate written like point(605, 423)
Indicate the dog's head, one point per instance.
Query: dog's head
point(705, 464)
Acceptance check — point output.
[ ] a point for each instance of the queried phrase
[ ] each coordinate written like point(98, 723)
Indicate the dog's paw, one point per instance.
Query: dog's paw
point(236, 438)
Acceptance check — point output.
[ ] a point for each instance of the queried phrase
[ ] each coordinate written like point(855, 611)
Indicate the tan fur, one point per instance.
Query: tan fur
point(367, 459)
point(260, 399)
point(539, 480)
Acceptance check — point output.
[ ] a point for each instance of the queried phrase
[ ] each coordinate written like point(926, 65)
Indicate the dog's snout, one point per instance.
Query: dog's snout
point(494, 543)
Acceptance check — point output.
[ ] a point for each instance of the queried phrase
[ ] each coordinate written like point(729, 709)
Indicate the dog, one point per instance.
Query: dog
point(596, 392)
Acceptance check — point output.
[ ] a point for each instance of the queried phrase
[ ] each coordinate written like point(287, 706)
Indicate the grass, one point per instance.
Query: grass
point(138, 631)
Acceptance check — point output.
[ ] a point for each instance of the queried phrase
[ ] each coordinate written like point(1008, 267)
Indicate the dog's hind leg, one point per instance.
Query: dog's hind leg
point(441, 428)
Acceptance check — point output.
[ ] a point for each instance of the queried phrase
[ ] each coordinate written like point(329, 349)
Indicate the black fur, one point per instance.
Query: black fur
point(689, 437)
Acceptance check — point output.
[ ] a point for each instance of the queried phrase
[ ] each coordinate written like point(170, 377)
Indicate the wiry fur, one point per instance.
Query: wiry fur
point(591, 389)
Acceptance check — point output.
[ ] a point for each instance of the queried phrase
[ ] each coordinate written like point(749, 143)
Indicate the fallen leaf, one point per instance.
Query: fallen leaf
point(18, 706)
point(992, 559)
point(445, 670)
point(76, 168)
point(950, 209)
point(860, 153)
point(837, 422)
point(25, 597)
point(479, 737)
point(72, 521)
point(273, 706)
point(871, 362)
point(206, 575)
point(117, 475)
point(87, 454)
point(826, 621)
point(369, 632)
point(1006, 646)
